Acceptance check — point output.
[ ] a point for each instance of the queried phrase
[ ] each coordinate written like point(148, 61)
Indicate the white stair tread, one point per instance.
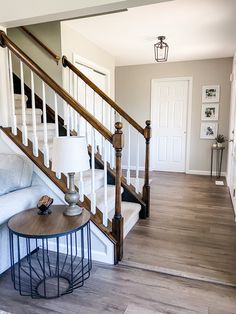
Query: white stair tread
point(40, 127)
point(110, 198)
point(130, 212)
point(87, 177)
point(18, 97)
point(28, 111)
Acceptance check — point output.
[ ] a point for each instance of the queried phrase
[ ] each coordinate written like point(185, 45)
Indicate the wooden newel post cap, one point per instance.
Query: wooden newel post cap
point(64, 61)
point(148, 123)
point(147, 130)
point(2, 41)
point(118, 138)
point(118, 126)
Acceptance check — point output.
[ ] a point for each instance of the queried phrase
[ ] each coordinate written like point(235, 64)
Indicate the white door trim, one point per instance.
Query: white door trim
point(78, 59)
point(189, 114)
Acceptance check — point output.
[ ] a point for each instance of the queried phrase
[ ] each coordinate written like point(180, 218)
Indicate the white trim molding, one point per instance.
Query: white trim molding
point(78, 59)
point(204, 172)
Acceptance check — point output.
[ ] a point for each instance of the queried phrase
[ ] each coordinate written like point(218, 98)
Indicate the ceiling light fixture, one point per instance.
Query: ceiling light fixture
point(161, 50)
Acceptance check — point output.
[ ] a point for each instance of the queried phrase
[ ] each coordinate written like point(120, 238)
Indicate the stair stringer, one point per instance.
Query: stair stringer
point(103, 249)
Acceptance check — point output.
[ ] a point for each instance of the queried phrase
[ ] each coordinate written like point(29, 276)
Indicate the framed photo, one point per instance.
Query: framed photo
point(209, 130)
point(211, 93)
point(210, 112)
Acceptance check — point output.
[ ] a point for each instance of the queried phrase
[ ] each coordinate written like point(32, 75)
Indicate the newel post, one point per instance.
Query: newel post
point(117, 221)
point(146, 187)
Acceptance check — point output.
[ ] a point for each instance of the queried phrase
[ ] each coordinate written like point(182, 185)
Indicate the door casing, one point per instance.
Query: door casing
point(189, 79)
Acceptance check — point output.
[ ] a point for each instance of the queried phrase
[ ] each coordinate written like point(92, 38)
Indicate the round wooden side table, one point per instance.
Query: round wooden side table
point(50, 255)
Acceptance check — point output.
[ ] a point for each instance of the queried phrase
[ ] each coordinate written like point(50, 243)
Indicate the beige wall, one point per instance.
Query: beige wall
point(49, 34)
point(133, 93)
point(73, 42)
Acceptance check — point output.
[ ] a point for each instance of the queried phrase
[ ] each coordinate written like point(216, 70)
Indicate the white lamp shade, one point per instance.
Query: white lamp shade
point(70, 154)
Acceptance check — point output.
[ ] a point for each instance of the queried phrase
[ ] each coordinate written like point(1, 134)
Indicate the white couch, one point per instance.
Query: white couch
point(18, 200)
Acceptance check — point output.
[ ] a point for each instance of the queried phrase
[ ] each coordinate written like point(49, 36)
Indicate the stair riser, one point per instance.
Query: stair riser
point(40, 134)
point(28, 119)
point(87, 186)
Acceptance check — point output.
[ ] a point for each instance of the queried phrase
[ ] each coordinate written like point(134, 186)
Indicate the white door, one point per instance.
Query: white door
point(231, 169)
point(169, 104)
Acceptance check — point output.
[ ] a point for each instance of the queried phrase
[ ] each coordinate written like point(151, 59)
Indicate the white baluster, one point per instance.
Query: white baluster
point(94, 114)
point(110, 147)
point(56, 115)
point(137, 166)
point(23, 107)
point(104, 123)
point(105, 211)
point(128, 157)
point(81, 187)
point(76, 121)
point(71, 92)
point(45, 129)
point(35, 139)
point(68, 120)
point(79, 119)
point(112, 119)
point(58, 174)
point(13, 112)
point(65, 113)
point(71, 119)
point(86, 123)
point(93, 194)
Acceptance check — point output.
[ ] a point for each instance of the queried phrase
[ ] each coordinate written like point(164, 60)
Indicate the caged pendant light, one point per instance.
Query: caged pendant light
point(161, 50)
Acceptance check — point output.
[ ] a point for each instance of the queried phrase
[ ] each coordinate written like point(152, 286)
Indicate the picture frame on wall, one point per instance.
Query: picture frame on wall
point(210, 93)
point(210, 112)
point(208, 130)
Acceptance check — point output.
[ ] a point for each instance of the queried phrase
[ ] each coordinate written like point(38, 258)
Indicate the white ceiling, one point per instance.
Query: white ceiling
point(195, 29)
point(24, 12)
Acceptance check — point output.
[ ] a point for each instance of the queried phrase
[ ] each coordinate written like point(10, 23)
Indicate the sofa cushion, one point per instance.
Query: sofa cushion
point(15, 173)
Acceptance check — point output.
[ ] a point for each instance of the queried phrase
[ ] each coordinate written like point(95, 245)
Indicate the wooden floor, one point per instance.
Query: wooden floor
point(121, 289)
point(191, 231)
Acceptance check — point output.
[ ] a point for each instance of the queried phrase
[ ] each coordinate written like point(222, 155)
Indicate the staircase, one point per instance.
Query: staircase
point(116, 202)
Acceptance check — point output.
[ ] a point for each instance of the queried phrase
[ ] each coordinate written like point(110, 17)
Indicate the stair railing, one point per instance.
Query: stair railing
point(75, 113)
point(40, 43)
point(133, 132)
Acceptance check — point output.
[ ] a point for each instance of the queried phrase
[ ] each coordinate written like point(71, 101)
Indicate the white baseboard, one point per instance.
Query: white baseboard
point(125, 167)
point(204, 172)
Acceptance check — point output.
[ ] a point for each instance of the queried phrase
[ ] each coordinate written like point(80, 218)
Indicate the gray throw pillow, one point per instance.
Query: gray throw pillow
point(15, 173)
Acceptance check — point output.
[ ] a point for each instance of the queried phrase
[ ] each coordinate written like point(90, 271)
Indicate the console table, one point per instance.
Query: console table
point(50, 255)
point(219, 157)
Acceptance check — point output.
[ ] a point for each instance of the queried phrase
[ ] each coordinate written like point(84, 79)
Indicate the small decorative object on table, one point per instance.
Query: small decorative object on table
point(220, 139)
point(44, 204)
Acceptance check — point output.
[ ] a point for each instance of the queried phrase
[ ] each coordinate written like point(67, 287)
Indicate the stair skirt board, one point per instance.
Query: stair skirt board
point(103, 249)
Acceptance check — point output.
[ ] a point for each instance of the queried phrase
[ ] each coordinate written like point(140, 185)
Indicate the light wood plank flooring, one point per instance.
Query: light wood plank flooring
point(121, 289)
point(191, 231)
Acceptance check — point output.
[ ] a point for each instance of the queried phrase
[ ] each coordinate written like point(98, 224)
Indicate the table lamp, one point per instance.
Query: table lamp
point(70, 155)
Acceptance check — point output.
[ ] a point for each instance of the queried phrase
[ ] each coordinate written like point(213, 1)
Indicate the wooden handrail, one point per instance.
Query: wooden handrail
point(40, 43)
point(112, 103)
point(6, 42)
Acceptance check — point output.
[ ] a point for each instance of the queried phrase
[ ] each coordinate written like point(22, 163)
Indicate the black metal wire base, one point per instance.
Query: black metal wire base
point(52, 267)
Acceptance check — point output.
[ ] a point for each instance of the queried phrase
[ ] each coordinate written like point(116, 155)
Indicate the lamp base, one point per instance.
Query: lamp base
point(74, 210)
